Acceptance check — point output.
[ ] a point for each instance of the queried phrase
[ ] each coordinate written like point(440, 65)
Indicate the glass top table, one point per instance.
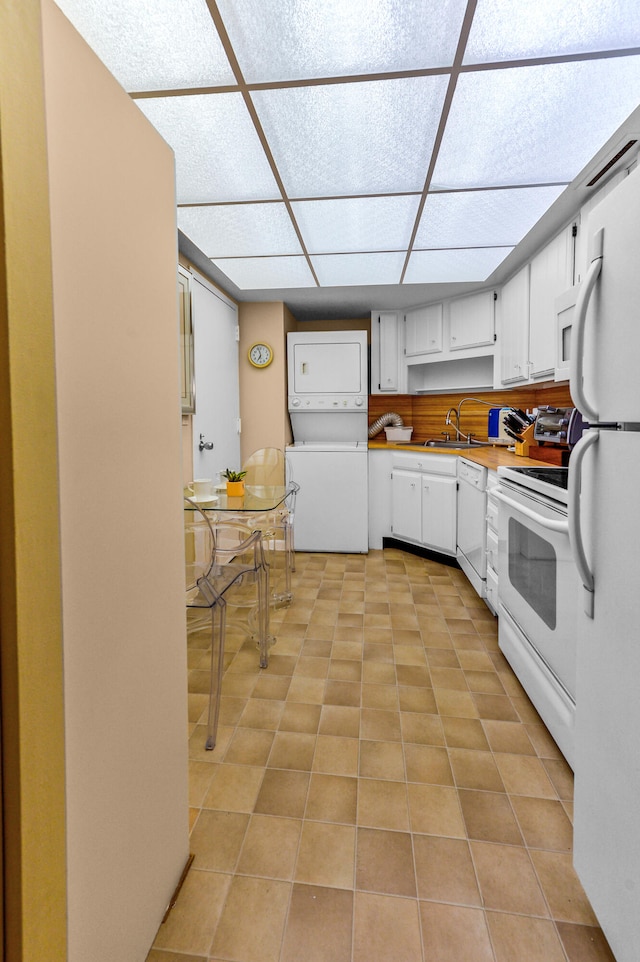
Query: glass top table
point(256, 499)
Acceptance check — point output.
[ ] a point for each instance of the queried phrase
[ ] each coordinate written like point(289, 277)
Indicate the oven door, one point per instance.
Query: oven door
point(538, 583)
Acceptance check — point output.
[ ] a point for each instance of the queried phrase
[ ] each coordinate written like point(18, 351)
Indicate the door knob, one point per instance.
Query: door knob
point(205, 445)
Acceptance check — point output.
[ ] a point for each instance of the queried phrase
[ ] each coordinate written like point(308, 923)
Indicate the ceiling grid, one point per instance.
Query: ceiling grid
point(336, 144)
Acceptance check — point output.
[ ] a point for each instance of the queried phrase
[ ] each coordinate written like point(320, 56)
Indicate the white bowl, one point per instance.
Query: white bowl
point(399, 434)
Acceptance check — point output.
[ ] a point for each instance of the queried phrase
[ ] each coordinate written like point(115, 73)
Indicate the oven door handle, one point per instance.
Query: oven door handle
point(550, 523)
point(575, 528)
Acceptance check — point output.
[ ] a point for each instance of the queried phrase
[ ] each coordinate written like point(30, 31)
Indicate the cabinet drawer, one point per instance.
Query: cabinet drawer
point(492, 514)
point(492, 590)
point(492, 549)
point(427, 463)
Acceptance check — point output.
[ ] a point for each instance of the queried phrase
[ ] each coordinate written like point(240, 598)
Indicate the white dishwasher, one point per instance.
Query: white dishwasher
point(471, 550)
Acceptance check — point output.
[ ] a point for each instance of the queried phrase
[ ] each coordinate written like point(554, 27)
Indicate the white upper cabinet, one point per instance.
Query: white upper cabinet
point(387, 353)
point(471, 321)
point(551, 275)
point(423, 330)
point(514, 328)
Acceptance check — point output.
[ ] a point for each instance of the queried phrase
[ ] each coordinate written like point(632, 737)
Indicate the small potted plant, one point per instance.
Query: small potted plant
point(235, 483)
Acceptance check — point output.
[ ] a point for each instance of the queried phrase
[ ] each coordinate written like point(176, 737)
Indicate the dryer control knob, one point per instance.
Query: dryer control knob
point(295, 403)
point(359, 402)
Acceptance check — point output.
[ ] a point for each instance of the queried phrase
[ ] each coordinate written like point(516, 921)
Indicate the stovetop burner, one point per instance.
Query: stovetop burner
point(553, 475)
point(551, 481)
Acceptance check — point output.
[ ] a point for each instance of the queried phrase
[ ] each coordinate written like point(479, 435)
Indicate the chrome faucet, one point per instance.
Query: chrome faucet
point(447, 420)
point(466, 437)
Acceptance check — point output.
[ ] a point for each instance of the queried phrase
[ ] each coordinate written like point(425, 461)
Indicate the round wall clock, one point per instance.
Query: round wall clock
point(260, 355)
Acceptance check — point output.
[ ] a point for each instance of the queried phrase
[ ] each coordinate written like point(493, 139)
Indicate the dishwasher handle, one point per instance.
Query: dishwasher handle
point(561, 526)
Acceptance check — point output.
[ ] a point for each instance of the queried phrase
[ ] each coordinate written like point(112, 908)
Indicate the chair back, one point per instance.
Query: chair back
point(199, 545)
point(265, 471)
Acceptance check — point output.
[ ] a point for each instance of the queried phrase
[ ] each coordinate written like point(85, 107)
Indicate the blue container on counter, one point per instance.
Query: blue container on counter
point(493, 429)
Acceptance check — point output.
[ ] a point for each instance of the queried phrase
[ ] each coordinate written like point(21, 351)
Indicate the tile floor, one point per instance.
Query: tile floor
point(383, 792)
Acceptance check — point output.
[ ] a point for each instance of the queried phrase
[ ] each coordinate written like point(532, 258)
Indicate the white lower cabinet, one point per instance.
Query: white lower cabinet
point(423, 501)
point(406, 505)
point(492, 543)
point(380, 469)
point(439, 513)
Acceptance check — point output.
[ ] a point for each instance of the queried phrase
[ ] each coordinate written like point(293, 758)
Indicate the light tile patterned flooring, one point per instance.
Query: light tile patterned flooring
point(383, 792)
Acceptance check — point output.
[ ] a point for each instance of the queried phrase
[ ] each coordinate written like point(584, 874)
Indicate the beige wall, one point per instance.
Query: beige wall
point(263, 393)
point(117, 366)
point(353, 324)
point(30, 620)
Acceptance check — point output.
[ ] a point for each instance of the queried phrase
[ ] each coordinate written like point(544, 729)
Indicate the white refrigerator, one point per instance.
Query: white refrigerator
point(604, 526)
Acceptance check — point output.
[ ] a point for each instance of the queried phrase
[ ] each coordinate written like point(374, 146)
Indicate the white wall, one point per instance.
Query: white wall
point(116, 340)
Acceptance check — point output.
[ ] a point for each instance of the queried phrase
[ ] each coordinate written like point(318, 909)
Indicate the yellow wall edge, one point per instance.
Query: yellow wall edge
point(30, 619)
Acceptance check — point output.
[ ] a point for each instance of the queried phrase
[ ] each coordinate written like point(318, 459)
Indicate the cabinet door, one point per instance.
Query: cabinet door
point(514, 328)
point(406, 513)
point(550, 277)
point(386, 353)
point(472, 321)
point(423, 330)
point(439, 513)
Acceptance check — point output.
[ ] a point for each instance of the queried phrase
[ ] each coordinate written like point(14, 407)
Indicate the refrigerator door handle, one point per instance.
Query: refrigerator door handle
point(576, 361)
point(575, 531)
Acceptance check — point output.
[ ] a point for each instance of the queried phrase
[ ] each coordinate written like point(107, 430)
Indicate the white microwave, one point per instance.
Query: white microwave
point(564, 308)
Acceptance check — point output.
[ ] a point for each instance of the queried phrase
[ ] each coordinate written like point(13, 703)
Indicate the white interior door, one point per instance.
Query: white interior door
point(217, 413)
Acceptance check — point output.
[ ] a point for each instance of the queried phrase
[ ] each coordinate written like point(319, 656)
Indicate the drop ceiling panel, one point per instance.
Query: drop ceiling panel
point(218, 154)
point(518, 29)
point(482, 217)
point(153, 44)
point(345, 270)
point(356, 138)
point(357, 224)
point(296, 39)
point(537, 124)
point(267, 273)
point(240, 230)
point(354, 116)
point(442, 266)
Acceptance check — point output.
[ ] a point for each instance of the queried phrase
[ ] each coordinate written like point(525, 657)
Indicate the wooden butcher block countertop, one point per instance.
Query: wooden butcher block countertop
point(491, 457)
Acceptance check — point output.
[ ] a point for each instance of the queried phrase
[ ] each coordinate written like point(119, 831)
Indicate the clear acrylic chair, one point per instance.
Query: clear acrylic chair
point(266, 474)
point(225, 562)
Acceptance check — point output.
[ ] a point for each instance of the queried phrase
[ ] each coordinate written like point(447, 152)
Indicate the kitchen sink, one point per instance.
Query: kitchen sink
point(447, 444)
point(458, 445)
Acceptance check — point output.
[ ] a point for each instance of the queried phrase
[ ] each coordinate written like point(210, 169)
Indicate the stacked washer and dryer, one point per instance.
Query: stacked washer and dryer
point(328, 406)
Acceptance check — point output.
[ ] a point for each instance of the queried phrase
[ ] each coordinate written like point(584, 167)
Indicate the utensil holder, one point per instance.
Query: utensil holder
point(525, 442)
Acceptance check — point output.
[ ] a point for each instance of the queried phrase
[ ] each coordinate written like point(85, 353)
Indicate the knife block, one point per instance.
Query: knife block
point(526, 440)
